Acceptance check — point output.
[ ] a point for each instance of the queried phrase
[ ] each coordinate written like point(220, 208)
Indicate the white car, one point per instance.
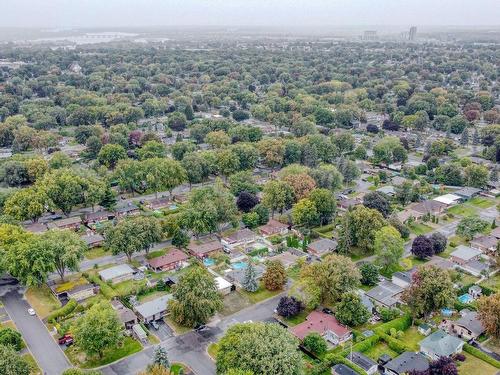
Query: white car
point(31, 312)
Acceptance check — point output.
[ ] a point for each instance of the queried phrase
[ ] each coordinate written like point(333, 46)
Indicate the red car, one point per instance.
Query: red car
point(66, 340)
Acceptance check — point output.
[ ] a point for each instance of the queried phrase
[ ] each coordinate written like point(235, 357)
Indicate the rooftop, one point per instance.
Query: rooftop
point(465, 252)
point(323, 245)
point(441, 343)
point(116, 271)
point(448, 199)
point(362, 360)
point(205, 247)
point(471, 322)
point(319, 322)
point(173, 256)
point(156, 306)
point(407, 362)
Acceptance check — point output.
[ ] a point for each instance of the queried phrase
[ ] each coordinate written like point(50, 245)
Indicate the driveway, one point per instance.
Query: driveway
point(41, 344)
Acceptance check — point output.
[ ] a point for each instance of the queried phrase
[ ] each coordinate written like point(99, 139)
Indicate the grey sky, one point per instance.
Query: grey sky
point(91, 13)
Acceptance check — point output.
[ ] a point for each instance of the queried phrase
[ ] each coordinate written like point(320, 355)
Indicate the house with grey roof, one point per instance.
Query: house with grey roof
point(153, 310)
point(468, 326)
point(341, 369)
point(467, 192)
point(403, 278)
point(388, 190)
point(385, 294)
point(440, 344)
point(367, 364)
point(406, 362)
point(322, 246)
point(117, 274)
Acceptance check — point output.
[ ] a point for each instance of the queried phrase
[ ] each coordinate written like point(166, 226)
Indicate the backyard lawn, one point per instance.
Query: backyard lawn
point(411, 337)
point(42, 300)
point(97, 252)
point(233, 302)
point(128, 287)
point(293, 321)
point(420, 228)
point(130, 346)
point(493, 282)
point(462, 210)
point(481, 202)
point(380, 348)
point(473, 365)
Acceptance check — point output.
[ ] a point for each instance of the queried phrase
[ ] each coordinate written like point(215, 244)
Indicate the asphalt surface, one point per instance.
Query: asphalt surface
point(50, 357)
point(191, 348)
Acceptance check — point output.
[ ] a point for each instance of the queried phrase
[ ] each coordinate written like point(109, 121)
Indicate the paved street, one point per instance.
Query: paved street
point(46, 351)
point(191, 347)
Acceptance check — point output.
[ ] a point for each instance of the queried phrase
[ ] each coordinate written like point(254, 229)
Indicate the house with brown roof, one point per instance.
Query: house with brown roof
point(98, 216)
point(430, 206)
point(93, 240)
point(171, 260)
point(126, 316)
point(273, 227)
point(240, 237)
point(204, 249)
point(324, 324)
point(322, 246)
point(158, 204)
point(487, 244)
point(36, 227)
point(468, 326)
point(67, 223)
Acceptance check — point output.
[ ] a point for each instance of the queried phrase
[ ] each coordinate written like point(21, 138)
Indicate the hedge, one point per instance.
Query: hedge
point(362, 346)
point(333, 359)
point(63, 311)
point(395, 344)
point(481, 355)
point(400, 324)
point(105, 289)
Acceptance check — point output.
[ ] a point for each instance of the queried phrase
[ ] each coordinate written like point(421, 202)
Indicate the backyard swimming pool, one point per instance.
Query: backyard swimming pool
point(465, 298)
point(239, 265)
point(208, 262)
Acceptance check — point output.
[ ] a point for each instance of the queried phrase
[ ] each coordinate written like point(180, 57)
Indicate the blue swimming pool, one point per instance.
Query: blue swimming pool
point(446, 312)
point(239, 265)
point(465, 298)
point(208, 262)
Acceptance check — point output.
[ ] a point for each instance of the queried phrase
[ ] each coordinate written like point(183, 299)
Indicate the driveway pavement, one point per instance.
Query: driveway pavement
point(41, 344)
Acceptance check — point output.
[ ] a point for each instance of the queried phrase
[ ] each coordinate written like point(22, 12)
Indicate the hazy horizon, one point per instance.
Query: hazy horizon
point(248, 13)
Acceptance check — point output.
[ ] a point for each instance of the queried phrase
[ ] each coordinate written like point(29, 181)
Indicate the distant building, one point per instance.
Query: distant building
point(370, 35)
point(75, 68)
point(117, 274)
point(413, 33)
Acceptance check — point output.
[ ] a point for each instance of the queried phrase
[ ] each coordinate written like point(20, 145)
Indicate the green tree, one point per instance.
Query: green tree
point(307, 292)
point(476, 176)
point(195, 298)
point(304, 213)
point(315, 343)
point(10, 337)
point(163, 174)
point(26, 204)
point(110, 154)
point(197, 168)
point(325, 203)
point(430, 290)
point(243, 181)
point(60, 160)
point(250, 281)
point(334, 276)
point(152, 149)
point(369, 274)
point(160, 357)
point(274, 278)
point(389, 150)
point(12, 363)
point(351, 311)
point(65, 188)
point(363, 223)
point(277, 196)
point(243, 347)
point(469, 226)
point(388, 246)
point(98, 329)
point(327, 176)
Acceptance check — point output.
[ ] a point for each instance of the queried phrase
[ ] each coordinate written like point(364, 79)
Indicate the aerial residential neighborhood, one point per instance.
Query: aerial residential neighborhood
point(241, 196)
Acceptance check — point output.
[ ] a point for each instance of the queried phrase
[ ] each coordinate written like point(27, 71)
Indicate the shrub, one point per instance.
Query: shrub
point(315, 343)
point(8, 336)
point(479, 354)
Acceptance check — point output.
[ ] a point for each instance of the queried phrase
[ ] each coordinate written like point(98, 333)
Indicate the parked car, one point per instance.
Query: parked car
point(200, 327)
point(31, 312)
point(155, 325)
point(66, 340)
point(326, 310)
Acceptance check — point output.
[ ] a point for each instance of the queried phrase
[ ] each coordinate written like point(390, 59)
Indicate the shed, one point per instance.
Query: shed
point(424, 329)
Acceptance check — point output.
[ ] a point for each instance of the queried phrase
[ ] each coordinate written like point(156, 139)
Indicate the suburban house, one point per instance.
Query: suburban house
point(345, 204)
point(240, 237)
point(475, 291)
point(440, 344)
point(126, 316)
point(36, 227)
point(467, 193)
point(67, 223)
point(403, 278)
point(238, 275)
point(387, 190)
point(223, 286)
point(93, 240)
point(487, 244)
point(468, 326)
point(431, 207)
point(78, 292)
point(153, 310)
point(117, 274)
point(286, 258)
point(448, 199)
point(129, 209)
point(467, 258)
point(385, 294)
point(273, 227)
point(158, 204)
point(322, 246)
point(367, 364)
point(204, 249)
point(173, 259)
point(405, 363)
point(98, 216)
point(324, 324)
point(341, 369)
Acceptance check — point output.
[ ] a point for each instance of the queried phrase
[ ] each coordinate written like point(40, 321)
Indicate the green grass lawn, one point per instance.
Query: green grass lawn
point(34, 368)
point(261, 294)
point(151, 296)
point(380, 348)
point(493, 282)
point(294, 320)
point(42, 300)
point(293, 272)
point(473, 366)
point(481, 202)
point(411, 337)
point(97, 252)
point(420, 228)
point(212, 350)
point(462, 210)
point(356, 254)
point(128, 347)
point(128, 287)
point(156, 253)
point(178, 329)
point(233, 302)
point(176, 368)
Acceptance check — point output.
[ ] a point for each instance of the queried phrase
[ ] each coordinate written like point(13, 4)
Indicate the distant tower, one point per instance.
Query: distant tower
point(370, 35)
point(413, 33)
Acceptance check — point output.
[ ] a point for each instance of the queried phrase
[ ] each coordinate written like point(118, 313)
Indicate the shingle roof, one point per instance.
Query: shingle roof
point(153, 307)
point(408, 361)
point(465, 252)
point(116, 271)
point(173, 256)
point(362, 360)
point(323, 245)
point(471, 322)
point(319, 322)
point(441, 344)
